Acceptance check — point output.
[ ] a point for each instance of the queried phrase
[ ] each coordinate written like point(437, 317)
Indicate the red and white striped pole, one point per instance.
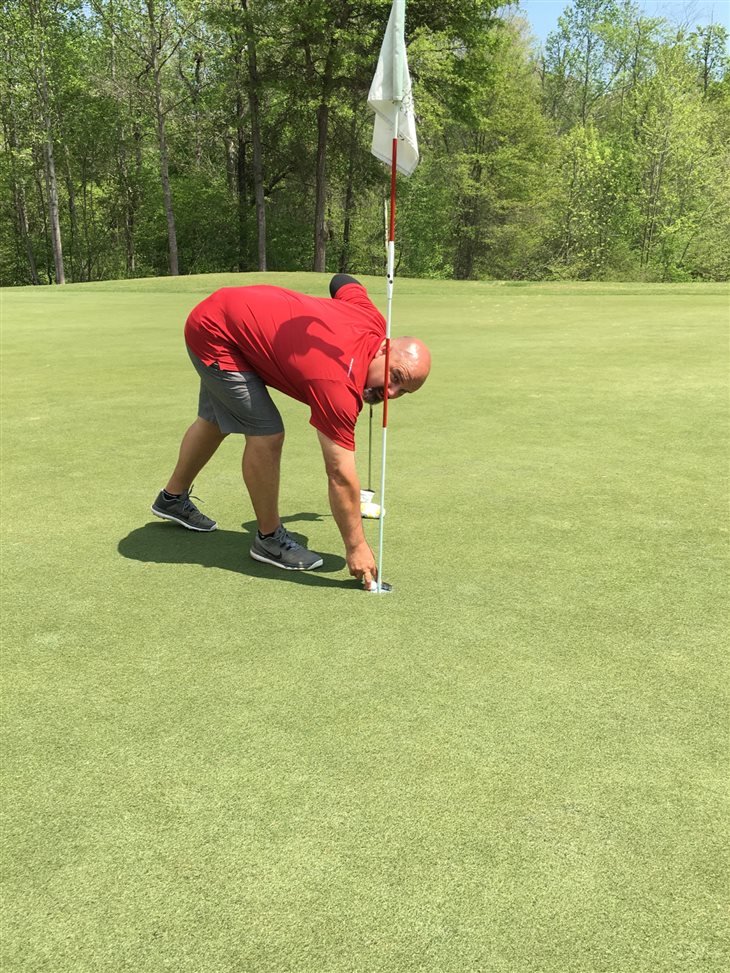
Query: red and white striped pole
point(388, 318)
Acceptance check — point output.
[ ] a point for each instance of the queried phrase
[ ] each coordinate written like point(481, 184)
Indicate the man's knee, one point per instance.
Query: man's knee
point(271, 444)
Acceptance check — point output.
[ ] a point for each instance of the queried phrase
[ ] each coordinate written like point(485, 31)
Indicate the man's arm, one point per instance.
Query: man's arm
point(344, 496)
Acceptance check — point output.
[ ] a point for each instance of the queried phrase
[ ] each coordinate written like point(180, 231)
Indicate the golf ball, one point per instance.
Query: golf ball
point(384, 587)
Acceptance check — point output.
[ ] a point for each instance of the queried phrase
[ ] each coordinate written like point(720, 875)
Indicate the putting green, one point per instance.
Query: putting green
point(514, 763)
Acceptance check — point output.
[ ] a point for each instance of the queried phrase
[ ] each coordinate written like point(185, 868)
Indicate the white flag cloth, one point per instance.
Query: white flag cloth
point(391, 97)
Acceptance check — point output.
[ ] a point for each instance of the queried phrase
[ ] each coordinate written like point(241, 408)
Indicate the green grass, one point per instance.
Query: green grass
point(515, 763)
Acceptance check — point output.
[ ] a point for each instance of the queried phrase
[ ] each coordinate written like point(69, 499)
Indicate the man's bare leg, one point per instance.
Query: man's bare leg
point(198, 445)
point(261, 469)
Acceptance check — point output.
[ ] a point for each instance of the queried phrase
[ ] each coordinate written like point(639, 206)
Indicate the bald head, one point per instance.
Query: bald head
point(410, 363)
point(414, 358)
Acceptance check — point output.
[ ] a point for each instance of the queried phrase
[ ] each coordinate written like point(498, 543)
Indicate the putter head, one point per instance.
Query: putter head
point(371, 511)
point(384, 588)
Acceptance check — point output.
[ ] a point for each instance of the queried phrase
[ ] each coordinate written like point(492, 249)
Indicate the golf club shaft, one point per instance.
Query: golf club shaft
point(370, 451)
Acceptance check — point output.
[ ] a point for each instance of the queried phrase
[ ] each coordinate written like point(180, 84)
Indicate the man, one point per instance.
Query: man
point(327, 353)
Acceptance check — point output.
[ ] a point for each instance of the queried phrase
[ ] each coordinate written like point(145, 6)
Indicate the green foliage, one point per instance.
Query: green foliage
point(590, 205)
point(640, 187)
point(605, 157)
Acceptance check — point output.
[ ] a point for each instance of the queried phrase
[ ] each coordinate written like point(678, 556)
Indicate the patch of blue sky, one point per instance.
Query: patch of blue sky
point(542, 15)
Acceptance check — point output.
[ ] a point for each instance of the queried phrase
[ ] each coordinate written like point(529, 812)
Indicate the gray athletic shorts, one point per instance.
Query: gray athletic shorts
point(236, 401)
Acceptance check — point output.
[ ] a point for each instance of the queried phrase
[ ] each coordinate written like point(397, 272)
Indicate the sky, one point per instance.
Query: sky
point(543, 14)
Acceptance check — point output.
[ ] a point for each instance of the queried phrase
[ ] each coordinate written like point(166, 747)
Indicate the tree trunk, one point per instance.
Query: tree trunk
point(52, 193)
point(258, 167)
point(320, 233)
point(49, 165)
point(196, 107)
point(649, 213)
point(21, 211)
point(706, 57)
point(126, 194)
point(344, 262)
point(467, 246)
point(51, 181)
point(154, 66)
point(165, 176)
point(21, 208)
point(242, 189)
point(230, 164)
point(586, 79)
point(39, 175)
point(91, 253)
point(73, 216)
point(134, 194)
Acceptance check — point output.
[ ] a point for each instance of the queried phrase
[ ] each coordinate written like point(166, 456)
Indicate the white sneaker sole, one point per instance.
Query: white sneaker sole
point(286, 567)
point(176, 520)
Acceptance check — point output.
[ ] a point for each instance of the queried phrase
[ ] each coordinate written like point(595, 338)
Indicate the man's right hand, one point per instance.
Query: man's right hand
point(361, 564)
point(344, 494)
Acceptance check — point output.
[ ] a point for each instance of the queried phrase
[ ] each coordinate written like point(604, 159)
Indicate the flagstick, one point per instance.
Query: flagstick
point(391, 274)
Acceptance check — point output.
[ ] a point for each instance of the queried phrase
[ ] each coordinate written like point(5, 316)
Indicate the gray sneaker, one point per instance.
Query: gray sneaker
point(182, 511)
point(282, 551)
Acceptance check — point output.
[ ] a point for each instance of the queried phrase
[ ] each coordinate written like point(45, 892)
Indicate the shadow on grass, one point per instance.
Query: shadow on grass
point(162, 542)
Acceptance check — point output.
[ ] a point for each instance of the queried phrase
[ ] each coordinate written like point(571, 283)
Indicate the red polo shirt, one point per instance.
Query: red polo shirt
point(316, 350)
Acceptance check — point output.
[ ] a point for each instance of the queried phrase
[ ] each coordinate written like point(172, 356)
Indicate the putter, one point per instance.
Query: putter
point(370, 452)
point(368, 509)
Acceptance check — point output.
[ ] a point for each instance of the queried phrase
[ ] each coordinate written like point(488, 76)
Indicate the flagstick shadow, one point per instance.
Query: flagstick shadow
point(162, 542)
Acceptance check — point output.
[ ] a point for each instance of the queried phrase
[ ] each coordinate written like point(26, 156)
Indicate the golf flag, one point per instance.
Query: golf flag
point(391, 97)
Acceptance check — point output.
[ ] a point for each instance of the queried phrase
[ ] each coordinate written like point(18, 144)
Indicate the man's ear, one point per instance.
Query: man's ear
point(381, 351)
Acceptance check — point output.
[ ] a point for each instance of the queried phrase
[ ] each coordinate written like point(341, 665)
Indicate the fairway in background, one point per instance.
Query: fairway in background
point(516, 762)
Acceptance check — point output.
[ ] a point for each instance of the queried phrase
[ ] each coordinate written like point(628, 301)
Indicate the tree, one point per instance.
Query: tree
point(34, 31)
point(675, 161)
point(709, 51)
point(591, 206)
point(584, 57)
point(14, 172)
point(319, 30)
point(153, 30)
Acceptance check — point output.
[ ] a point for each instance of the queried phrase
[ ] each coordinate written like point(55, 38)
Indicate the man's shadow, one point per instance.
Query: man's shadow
point(162, 542)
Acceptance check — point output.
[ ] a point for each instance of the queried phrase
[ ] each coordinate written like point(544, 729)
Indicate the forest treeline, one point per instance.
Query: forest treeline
point(153, 137)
